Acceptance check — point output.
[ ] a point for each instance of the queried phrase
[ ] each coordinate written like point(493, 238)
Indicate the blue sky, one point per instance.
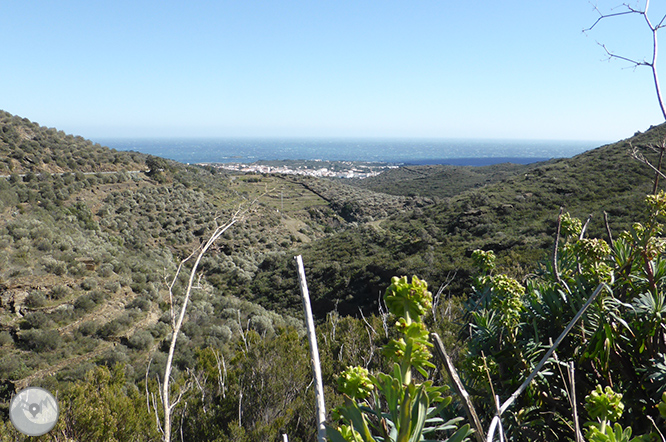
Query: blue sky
point(442, 69)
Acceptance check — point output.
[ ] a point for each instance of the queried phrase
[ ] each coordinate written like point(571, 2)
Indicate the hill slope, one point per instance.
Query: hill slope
point(83, 257)
point(515, 216)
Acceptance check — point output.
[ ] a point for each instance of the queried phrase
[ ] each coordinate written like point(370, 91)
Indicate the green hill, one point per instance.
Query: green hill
point(89, 237)
point(515, 216)
point(438, 181)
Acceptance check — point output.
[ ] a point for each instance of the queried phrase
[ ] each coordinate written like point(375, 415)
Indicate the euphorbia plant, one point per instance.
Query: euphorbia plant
point(394, 406)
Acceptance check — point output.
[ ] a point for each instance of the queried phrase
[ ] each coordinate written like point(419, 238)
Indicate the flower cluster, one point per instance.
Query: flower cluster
point(355, 382)
point(484, 260)
point(408, 300)
point(570, 226)
point(604, 404)
point(657, 203)
point(507, 299)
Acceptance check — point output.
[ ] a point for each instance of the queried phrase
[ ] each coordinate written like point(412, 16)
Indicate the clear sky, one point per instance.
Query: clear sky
point(449, 69)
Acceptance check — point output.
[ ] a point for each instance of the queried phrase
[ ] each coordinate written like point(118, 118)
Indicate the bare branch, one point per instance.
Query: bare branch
point(176, 324)
point(663, 438)
point(608, 230)
point(627, 59)
point(605, 16)
point(555, 247)
point(653, 29)
point(582, 231)
point(222, 374)
point(635, 154)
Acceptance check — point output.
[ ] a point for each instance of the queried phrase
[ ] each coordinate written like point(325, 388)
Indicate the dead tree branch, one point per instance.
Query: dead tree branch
point(176, 323)
point(635, 154)
point(654, 29)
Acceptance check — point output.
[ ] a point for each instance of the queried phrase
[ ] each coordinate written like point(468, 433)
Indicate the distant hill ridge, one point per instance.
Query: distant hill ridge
point(26, 146)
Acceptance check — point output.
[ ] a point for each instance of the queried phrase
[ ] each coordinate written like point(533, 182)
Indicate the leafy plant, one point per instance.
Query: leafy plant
point(393, 406)
point(606, 406)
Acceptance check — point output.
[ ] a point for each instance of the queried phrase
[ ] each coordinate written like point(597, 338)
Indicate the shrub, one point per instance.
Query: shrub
point(88, 328)
point(40, 340)
point(84, 303)
point(5, 339)
point(36, 320)
point(262, 325)
point(35, 300)
point(140, 303)
point(58, 292)
point(141, 340)
point(88, 284)
point(112, 286)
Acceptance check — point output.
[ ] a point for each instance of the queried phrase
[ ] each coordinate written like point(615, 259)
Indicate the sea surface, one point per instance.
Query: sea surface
point(400, 151)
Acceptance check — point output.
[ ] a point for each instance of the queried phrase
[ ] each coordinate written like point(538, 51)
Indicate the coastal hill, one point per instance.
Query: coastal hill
point(28, 147)
point(89, 238)
point(515, 216)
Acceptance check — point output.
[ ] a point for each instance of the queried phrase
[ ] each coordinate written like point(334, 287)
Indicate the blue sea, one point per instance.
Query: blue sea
point(399, 151)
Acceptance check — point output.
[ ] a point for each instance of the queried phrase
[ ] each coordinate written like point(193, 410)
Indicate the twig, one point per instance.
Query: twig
point(555, 247)
point(652, 64)
point(608, 230)
point(582, 231)
point(458, 386)
point(639, 156)
point(663, 438)
point(574, 405)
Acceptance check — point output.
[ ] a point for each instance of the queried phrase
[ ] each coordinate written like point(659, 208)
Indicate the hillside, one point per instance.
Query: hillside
point(28, 147)
point(89, 238)
point(515, 217)
point(438, 181)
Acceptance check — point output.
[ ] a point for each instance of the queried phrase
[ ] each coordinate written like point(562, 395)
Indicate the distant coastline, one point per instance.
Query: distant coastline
point(399, 151)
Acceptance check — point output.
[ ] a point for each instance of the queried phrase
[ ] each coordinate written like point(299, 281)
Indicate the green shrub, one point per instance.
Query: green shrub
point(40, 340)
point(84, 303)
point(6, 339)
point(141, 340)
point(88, 328)
point(59, 292)
point(88, 284)
point(35, 300)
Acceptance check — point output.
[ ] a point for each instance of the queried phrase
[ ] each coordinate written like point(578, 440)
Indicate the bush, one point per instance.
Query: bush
point(59, 292)
point(36, 320)
point(84, 303)
point(35, 300)
point(40, 340)
point(262, 325)
point(112, 286)
point(140, 303)
point(5, 339)
point(88, 328)
point(105, 270)
point(88, 284)
point(141, 340)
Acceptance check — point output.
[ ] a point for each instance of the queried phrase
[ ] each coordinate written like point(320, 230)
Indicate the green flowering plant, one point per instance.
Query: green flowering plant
point(507, 298)
point(484, 260)
point(570, 227)
point(355, 382)
point(606, 406)
point(393, 406)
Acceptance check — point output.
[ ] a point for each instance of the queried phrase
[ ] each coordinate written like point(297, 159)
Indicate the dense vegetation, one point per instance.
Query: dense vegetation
point(88, 237)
